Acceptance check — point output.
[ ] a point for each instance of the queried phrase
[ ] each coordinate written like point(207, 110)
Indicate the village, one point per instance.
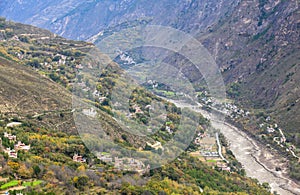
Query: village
point(13, 153)
point(268, 126)
point(209, 150)
point(124, 163)
point(18, 145)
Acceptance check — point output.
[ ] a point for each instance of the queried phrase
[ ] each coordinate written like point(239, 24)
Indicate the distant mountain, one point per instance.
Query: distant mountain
point(82, 19)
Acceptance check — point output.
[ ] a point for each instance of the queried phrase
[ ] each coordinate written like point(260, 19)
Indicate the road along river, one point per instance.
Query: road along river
point(256, 159)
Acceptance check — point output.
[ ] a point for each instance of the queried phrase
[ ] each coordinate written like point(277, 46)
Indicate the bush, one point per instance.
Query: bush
point(34, 63)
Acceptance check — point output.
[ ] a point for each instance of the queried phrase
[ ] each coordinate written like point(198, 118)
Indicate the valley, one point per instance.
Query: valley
point(82, 119)
point(258, 161)
point(36, 108)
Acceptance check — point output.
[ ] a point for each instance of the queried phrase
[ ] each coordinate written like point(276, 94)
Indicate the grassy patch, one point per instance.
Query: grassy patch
point(10, 184)
point(32, 184)
point(14, 183)
point(211, 160)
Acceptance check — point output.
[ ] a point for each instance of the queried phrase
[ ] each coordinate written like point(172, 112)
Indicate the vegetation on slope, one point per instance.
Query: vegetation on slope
point(46, 125)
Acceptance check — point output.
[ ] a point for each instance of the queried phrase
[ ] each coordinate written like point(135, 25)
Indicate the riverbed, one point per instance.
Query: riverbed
point(258, 161)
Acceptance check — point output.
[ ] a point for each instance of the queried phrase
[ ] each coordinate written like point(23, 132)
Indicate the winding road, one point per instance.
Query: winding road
point(220, 148)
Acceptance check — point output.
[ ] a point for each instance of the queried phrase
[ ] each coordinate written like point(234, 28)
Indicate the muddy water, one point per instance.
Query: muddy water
point(256, 160)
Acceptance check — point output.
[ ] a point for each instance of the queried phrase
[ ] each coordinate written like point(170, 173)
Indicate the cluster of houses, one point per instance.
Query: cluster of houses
point(57, 63)
point(223, 166)
point(206, 142)
point(157, 145)
point(280, 139)
point(207, 145)
point(13, 153)
point(208, 149)
point(137, 109)
point(234, 112)
point(207, 101)
point(226, 108)
point(271, 128)
point(98, 94)
point(231, 110)
point(168, 129)
point(78, 158)
point(153, 83)
point(199, 137)
point(129, 164)
point(127, 59)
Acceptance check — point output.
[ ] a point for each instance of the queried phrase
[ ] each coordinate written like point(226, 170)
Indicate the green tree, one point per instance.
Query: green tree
point(36, 170)
point(80, 182)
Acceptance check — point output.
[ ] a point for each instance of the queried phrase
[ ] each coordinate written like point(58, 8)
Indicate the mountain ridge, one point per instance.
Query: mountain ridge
point(96, 16)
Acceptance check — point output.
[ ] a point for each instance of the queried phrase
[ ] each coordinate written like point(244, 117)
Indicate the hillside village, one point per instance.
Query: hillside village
point(125, 163)
point(9, 139)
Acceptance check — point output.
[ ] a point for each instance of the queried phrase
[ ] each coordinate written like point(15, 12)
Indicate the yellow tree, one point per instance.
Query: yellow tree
point(24, 172)
point(13, 165)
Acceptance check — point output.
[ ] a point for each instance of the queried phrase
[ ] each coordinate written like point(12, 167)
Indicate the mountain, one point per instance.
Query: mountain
point(256, 43)
point(81, 20)
point(257, 49)
point(38, 71)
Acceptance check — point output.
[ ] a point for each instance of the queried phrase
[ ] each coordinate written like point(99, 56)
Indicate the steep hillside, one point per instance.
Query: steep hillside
point(257, 47)
point(25, 92)
point(255, 42)
point(38, 70)
point(248, 39)
point(80, 20)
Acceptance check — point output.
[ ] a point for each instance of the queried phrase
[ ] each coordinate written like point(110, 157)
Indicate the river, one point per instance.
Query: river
point(256, 159)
